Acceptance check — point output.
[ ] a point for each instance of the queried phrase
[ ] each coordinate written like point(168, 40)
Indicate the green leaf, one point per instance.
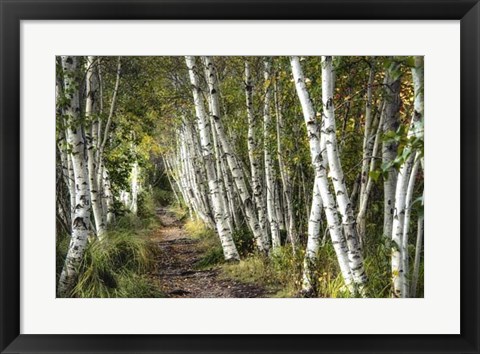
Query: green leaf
point(375, 175)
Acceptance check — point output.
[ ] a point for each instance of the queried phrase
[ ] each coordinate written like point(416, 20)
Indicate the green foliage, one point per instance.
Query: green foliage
point(162, 197)
point(243, 239)
point(146, 206)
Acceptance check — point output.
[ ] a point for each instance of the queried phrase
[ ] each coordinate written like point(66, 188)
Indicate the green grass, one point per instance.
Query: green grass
point(280, 273)
point(208, 244)
point(119, 264)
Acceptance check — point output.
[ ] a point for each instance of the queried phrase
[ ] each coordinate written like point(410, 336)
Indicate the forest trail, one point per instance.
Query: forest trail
point(176, 266)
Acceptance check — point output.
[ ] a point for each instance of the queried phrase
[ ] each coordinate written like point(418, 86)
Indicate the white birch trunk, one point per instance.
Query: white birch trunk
point(406, 227)
point(108, 196)
point(398, 271)
point(368, 144)
point(67, 165)
point(338, 240)
point(344, 205)
point(102, 174)
point(90, 135)
point(399, 244)
point(268, 162)
point(134, 187)
point(217, 157)
point(284, 174)
point(255, 166)
point(81, 216)
point(195, 174)
point(234, 166)
point(389, 148)
point(229, 249)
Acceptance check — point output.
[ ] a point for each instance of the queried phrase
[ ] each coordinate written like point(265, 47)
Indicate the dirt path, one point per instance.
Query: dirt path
point(176, 266)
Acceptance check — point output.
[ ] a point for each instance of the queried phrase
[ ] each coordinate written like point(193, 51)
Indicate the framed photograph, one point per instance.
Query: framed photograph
point(239, 176)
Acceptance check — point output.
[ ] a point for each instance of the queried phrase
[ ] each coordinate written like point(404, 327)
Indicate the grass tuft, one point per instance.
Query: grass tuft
point(116, 266)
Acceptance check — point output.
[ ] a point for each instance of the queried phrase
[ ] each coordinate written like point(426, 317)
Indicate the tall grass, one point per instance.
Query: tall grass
point(119, 264)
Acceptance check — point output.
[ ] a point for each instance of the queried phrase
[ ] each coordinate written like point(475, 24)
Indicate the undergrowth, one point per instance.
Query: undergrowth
point(118, 265)
point(208, 243)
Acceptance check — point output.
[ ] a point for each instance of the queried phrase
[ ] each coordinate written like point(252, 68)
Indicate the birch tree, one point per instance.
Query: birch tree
point(284, 173)
point(92, 139)
point(81, 214)
point(268, 161)
point(404, 189)
point(235, 168)
point(389, 147)
point(368, 147)
point(229, 249)
point(255, 165)
point(325, 196)
point(345, 207)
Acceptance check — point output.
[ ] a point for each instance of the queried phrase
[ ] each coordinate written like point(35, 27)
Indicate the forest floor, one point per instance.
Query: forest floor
point(176, 266)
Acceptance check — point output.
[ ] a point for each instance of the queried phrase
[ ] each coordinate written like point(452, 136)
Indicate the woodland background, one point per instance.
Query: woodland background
point(272, 176)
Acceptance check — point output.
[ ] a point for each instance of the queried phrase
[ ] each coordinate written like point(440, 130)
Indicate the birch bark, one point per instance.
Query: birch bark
point(229, 249)
point(81, 215)
point(255, 166)
point(404, 189)
point(368, 144)
point(344, 205)
point(268, 162)
point(406, 227)
point(389, 148)
point(234, 166)
point(284, 174)
point(103, 177)
point(90, 135)
point(325, 196)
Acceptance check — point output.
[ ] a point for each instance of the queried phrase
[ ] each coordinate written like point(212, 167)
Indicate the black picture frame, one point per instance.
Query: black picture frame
point(13, 11)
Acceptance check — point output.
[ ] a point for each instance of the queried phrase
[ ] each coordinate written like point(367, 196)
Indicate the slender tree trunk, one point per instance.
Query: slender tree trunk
point(81, 217)
point(196, 176)
point(284, 174)
point(368, 142)
point(344, 205)
point(234, 166)
point(389, 149)
point(399, 245)
point(134, 187)
point(65, 157)
point(229, 250)
point(361, 216)
point(398, 271)
point(268, 161)
point(325, 196)
point(90, 135)
point(108, 196)
point(220, 175)
point(103, 176)
point(255, 165)
point(406, 227)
